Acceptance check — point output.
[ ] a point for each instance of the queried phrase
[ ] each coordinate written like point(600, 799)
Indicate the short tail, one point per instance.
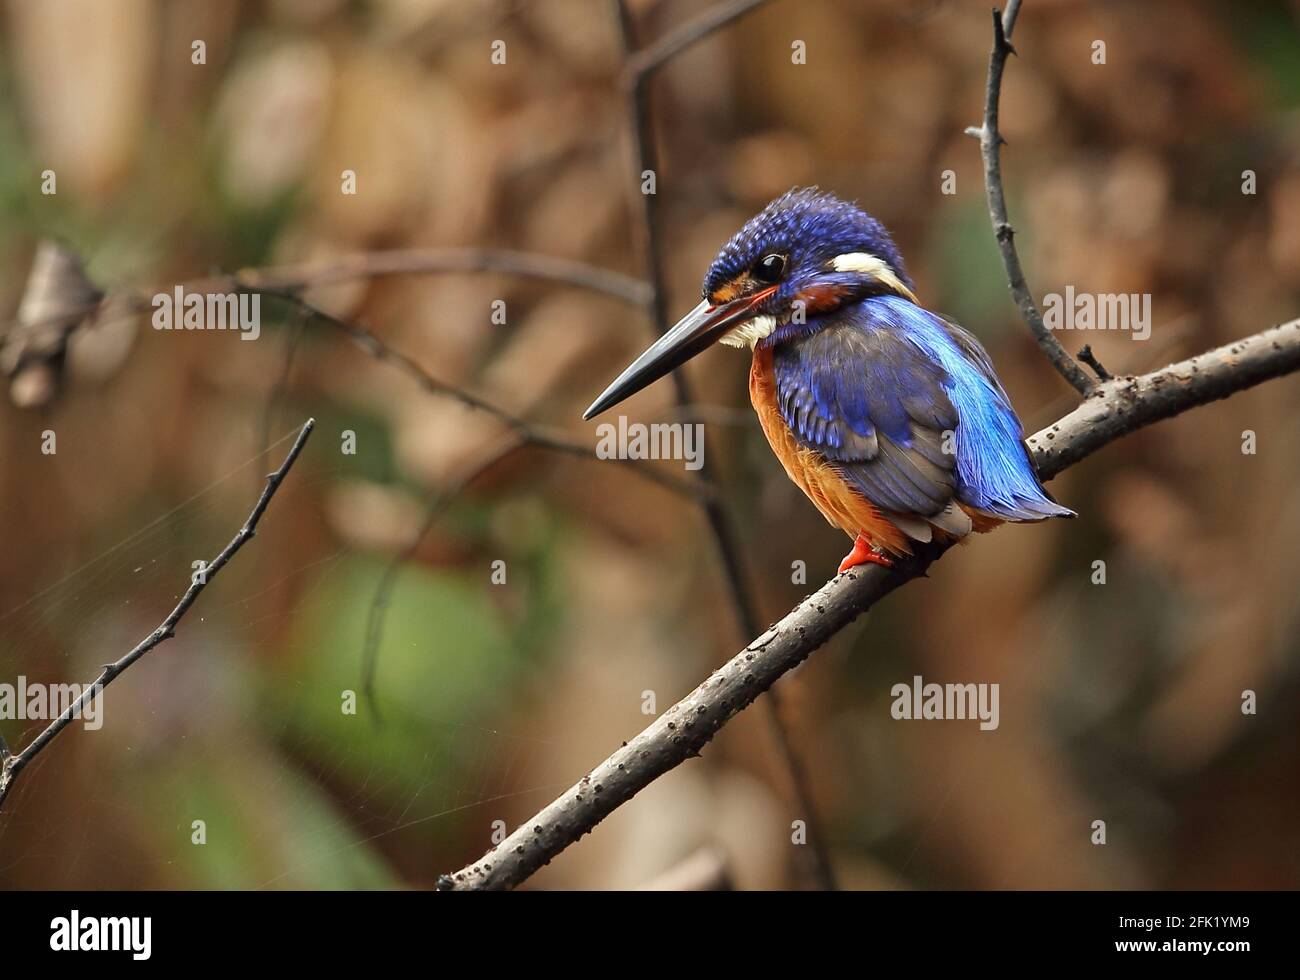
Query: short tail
point(1037, 505)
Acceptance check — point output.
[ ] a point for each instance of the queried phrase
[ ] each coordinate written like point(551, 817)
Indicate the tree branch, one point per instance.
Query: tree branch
point(418, 261)
point(542, 437)
point(14, 764)
point(1123, 405)
point(644, 63)
point(1114, 409)
point(991, 150)
point(372, 265)
point(640, 65)
point(520, 434)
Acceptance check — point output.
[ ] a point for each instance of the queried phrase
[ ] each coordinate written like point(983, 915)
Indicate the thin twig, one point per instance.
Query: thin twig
point(540, 436)
point(520, 433)
point(410, 261)
point(1089, 358)
point(15, 764)
point(1112, 410)
point(991, 150)
point(645, 159)
point(654, 56)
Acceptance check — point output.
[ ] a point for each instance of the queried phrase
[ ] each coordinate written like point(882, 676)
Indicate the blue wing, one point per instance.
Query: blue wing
point(871, 403)
point(908, 408)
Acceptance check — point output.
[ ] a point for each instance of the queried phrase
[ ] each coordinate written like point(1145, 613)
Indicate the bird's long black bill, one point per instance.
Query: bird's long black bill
point(696, 331)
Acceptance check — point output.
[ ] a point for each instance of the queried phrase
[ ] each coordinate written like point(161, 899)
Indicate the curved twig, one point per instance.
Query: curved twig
point(991, 151)
point(643, 63)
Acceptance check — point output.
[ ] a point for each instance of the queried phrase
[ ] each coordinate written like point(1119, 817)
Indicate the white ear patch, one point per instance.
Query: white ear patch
point(749, 333)
point(873, 266)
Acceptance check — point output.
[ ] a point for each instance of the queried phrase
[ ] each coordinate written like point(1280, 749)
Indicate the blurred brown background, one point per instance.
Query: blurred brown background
point(1119, 702)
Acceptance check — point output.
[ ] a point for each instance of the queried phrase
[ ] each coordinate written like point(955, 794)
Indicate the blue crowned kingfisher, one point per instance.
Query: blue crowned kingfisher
point(889, 417)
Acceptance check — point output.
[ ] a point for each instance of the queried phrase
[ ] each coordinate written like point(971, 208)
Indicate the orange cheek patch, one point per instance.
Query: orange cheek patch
point(821, 298)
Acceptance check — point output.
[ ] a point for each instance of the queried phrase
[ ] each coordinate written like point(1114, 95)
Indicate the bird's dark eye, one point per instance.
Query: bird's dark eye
point(769, 268)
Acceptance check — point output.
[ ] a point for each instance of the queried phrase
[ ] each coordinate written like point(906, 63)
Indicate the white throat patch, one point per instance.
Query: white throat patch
point(749, 333)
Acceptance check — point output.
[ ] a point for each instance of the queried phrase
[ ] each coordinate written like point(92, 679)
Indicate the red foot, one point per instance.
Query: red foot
point(864, 554)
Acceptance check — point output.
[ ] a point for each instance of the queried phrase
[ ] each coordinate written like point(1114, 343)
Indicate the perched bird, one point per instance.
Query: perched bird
point(889, 417)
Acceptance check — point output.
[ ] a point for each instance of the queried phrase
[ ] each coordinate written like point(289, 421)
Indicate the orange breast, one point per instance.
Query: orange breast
point(812, 473)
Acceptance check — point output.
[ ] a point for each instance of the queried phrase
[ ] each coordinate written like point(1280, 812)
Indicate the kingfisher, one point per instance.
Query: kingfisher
point(889, 417)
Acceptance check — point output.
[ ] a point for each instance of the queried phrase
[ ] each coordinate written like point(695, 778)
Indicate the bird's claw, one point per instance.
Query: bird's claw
point(864, 554)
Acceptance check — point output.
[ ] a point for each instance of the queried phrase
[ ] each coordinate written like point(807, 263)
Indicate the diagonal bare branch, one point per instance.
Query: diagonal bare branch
point(1113, 410)
point(543, 437)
